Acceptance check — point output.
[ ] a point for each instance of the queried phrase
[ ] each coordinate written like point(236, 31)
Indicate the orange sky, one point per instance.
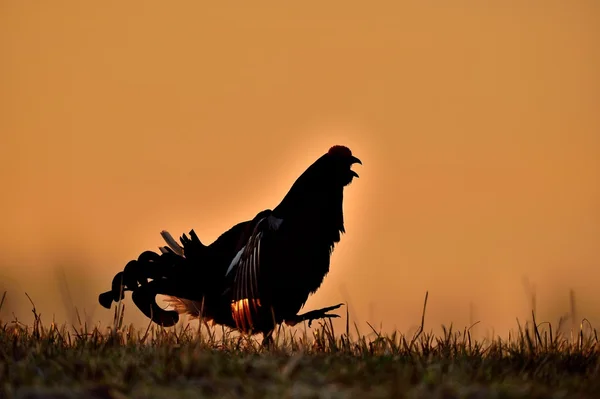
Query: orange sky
point(478, 126)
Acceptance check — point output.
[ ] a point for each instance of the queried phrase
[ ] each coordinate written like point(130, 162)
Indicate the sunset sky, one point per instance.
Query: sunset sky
point(478, 124)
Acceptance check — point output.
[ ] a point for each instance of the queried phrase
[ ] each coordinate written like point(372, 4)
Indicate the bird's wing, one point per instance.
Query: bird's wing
point(246, 269)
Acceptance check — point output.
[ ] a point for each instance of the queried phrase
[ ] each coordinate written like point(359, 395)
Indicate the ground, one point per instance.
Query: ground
point(48, 361)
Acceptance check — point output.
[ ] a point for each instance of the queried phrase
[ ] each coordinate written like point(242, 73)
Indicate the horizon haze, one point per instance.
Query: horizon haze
point(478, 126)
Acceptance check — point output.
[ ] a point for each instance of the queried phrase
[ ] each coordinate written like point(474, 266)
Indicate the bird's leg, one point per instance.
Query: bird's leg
point(267, 339)
point(313, 315)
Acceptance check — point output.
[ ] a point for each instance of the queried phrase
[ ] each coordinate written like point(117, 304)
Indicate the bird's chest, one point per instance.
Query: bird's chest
point(300, 269)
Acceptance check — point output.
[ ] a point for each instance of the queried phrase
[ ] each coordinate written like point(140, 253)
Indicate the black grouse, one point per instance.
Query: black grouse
point(260, 272)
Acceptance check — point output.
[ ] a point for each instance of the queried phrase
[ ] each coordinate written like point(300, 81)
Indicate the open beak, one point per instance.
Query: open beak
point(354, 160)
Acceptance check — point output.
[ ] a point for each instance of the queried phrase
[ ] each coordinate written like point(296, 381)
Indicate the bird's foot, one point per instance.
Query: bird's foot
point(313, 315)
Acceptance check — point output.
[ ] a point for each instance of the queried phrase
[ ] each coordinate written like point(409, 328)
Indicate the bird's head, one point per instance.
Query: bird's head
point(339, 161)
point(321, 183)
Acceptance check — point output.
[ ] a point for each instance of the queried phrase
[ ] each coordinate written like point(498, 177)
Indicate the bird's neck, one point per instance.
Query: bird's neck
point(320, 210)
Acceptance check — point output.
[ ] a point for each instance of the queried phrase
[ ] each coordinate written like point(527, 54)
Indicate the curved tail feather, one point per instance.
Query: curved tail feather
point(145, 299)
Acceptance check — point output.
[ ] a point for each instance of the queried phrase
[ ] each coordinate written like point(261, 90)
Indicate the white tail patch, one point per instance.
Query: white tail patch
point(174, 245)
point(185, 306)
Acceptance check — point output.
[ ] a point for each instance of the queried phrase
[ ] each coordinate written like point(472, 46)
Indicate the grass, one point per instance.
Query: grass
point(51, 361)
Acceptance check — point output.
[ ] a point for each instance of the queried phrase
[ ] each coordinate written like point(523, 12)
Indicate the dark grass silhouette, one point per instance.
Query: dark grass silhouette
point(41, 360)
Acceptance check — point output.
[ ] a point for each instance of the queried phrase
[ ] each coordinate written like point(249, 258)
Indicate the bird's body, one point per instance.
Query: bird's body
point(260, 272)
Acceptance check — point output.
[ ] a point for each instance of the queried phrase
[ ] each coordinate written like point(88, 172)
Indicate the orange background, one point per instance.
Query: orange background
point(478, 124)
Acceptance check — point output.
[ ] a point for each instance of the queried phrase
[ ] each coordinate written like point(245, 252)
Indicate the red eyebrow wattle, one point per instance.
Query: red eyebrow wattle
point(340, 150)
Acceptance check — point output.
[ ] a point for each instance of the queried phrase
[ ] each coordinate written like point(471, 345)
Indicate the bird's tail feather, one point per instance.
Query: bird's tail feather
point(174, 245)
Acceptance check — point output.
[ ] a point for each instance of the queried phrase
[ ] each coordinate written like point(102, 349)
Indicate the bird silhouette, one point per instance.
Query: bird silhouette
point(259, 273)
